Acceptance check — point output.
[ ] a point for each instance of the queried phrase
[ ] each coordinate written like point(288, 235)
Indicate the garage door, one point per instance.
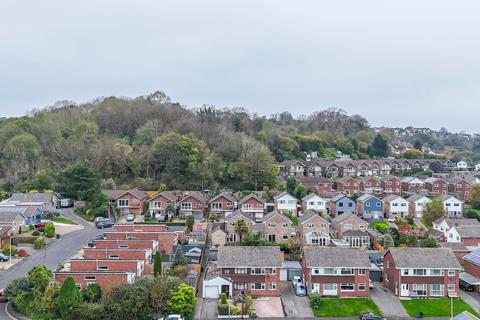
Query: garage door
point(211, 292)
point(283, 275)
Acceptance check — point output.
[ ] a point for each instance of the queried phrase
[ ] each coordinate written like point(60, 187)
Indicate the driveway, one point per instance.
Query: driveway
point(268, 307)
point(472, 299)
point(295, 307)
point(388, 303)
point(209, 309)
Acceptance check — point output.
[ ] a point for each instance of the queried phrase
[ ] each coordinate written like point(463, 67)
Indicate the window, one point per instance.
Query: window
point(436, 272)
point(451, 287)
point(123, 246)
point(272, 286)
point(90, 278)
point(451, 272)
point(420, 289)
point(258, 286)
point(347, 287)
point(362, 287)
point(405, 272)
point(316, 271)
point(310, 225)
point(271, 238)
point(419, 272)
point(272, 271)
point(348, 226)
point(239, 286)
point(367, 204)
point(246, 206)
point(113, 257)
point(350, 204)
point(271, 224)
point(362, 226)
point(257, 271)
point(102, 268)
point(436, 289)
point(324, 225)
point(186, 206)
point(345, 271)
point(240, 270)
point(217, 205)
point(340, 204)
point(362, 271)
point(285, 237)
point(285, 225)
point(122, 202)
point(155, 204)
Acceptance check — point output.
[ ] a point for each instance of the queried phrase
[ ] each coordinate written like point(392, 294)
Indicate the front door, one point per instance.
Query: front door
point(316, 288)
point(329, 289)
point(404, 290)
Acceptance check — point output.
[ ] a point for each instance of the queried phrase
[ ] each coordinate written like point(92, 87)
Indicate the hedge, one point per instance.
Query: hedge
point(27, 239)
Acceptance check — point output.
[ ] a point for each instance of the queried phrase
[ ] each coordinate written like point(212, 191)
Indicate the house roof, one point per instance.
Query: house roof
point(236, 213)
point(441, 258)
point(366, 196)
point(344, 216)
point(242, 256)
point(167, 195)
point(283, 194)
point(251, 195)
point(435, 233)
point(333, 257)
point(4, 231)
point(457, 222)
point(225, 195)
point(455, 246)
point(392, 197)
point(368, 178)
point(8, 214)
point(273, 214)
point(445, 197)
point(416, 197)
point(338, 197)
point(35, 197)
point(287, 163)
point(311, 180)
point(388, 177)
point(114, 194)
point(355, 233)
point(468, 231)
point(196, 195)
point(310, 196)
point(309, 214)
point(473, 257)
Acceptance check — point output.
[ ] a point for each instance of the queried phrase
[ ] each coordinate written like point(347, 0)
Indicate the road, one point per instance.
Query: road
point(56, 253)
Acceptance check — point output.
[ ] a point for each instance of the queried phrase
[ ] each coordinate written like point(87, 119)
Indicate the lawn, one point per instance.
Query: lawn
point(435, 307)
point(345, 307)
point(63, 220)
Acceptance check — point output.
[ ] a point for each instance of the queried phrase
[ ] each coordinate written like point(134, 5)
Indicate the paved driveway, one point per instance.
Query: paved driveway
point(295, 307)
point(209, 309)
point(388, 303)
point(472, 299)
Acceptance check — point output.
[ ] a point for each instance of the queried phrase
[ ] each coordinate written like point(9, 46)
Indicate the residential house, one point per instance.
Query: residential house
point(127, 244)
point(314, 202)
point(166, 240)
point(462, 165)
point(161, 201)
point(253, 206)
point(348, 186)
point(314, 229)
point(285, 202)
point(231, 221)
point(277, 227)
point(44, 200)
point(469, 235)
point(436, 186)
point(105, 280)
point(395, 206)
point(370, 207)
point(317, 183)
point(128, 201)
point(254, 270)
point(222, 203)
point(219, 236)
point(421, 272)
point(117, 254)
point(331, 271)
point(370, 184)
point(460, 187)
point(133, 266)
point(413, 185)
point(471, 265)
point(459, 250)
point(352, 229)
point(443, 224)
point(292, 168)
point(391, 185)
point(16, 216)
point(341, 204)
point(453, 206)
point(416, 204)
point(193, 203)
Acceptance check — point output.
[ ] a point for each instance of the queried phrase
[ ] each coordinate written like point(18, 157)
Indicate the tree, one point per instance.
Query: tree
point(79, 181)
point(475, 196)
point(49, 230)
point(388, 241)
point(241, 228)
point(92, 293)
point(42, 182)
point(417, 145)
point(433, 211)
point(189, 221)
point(157, 264)
point(429, 242)
point(160, 292)
point(39, 277)
point(178, 257)
point(291, 185)
point(69, 297)
point(182, 301)
point(379, 146)
point(22, 155)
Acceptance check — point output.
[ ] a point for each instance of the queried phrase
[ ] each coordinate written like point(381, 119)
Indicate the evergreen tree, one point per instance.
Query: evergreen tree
point(379, 147)
point(69, 297)
point(178, 257)
point(157, 265)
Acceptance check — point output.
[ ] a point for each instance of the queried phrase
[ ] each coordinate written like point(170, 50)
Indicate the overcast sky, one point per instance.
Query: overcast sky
point(397, 63)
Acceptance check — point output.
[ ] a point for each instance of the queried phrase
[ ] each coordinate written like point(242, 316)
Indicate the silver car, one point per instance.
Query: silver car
point(300, 290)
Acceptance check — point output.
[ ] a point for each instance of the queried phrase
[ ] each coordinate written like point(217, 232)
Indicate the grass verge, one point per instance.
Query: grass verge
point(435, 307)
point(345, 307)
point(64, 220)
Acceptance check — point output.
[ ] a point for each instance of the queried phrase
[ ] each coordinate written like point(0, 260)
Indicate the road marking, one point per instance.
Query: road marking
point(8, 313)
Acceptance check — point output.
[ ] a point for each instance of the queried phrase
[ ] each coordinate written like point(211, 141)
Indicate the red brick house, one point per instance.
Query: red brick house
point(128, 201)
point(117, 254)
point(191, 203)
point(348, 186)
point(421, 272)
point(333, 271)
point(413, 185)
point(141, 227)
point(106, 280)
point(223, 202)
point(318, 183)
point(134, 266)
point(391, 185)
point(252, 205)
point(127, 244)
point(254, 270)
point(460, 187)
point(471, 264)
point(166, 240)
point(161, 200)
point(370, 185)
point(436, 186)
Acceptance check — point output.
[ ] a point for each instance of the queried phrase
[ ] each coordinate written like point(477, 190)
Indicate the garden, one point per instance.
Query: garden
point(235, 306)
point(435, 307)
point(341, 307)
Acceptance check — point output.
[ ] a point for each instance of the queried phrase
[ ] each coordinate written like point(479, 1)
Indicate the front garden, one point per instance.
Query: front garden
point(341, 307)
point(435, 307)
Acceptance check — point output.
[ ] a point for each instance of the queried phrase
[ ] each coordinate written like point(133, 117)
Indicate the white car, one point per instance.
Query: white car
point(370, 284)
point(130, 217)
point(172, 317)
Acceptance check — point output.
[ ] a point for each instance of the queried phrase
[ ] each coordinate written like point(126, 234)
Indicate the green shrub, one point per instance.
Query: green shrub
point(39, 243)
point(6, 250)
point(315, 300)
point(30, 227)
point(249, 301)
point(49, 230)
point(223, 298)
point(36, 233)
point(222, 309)
point(27, 239)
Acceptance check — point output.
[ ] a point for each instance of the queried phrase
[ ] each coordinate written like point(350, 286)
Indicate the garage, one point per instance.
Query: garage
point(212, 292)
point(289, 270)
point(213, 285)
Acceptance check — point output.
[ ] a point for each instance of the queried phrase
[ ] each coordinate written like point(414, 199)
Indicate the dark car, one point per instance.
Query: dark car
point(2, 296)
point(104, 224)
point(465, 286)
point(370, 316)
point(91, 244)
point(4, 258)
point(100, 236)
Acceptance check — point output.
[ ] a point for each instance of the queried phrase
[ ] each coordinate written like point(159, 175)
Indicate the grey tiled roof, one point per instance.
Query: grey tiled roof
point(416, 197)
point(441, 258)
point(235, 213)
point(354, 233)
point(32, 197)
point(275, 213)
point(332, 257)
point(241, 256)
point(307, 215)
point(8, 214)
point(469, 231)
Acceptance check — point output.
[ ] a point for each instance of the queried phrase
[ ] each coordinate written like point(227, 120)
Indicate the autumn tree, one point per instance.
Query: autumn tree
point(433, 211)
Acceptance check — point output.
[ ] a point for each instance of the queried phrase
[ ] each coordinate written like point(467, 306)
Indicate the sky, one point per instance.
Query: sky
point(395, 62)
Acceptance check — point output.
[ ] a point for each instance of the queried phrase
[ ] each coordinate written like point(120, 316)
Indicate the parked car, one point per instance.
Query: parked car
point(91, 244)
point(130, 217)
point(4, 258)
point(296, 279)
point(300, 290)
point(104, 224)
point(2, 296)
point(172, 317)
point(370, 316)
point(465, 286)
point(100, 236)
point(99, 219)
point(42, 224)
point(370, 284)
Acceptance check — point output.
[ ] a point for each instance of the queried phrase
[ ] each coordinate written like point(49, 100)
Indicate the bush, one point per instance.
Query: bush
point(22, 253)
point(92, 293)
point(27, 239)
point(222, 309)
point(49, 230)
point(30, 227)
point(315, 300)
point(6, 250)
point(223, 298)
point(36, 233)
point(39, 243)
point(50, 215)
